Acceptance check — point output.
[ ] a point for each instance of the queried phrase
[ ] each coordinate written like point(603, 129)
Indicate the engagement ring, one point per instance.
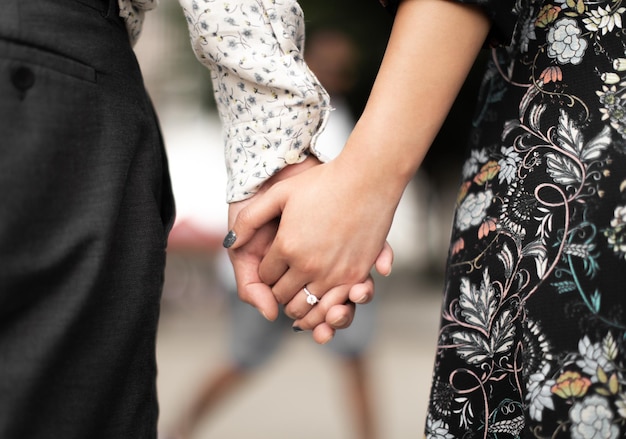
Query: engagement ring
point(310, 297)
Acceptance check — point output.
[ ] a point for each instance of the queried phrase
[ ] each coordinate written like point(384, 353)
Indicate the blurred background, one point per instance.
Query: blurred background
point(296, 389)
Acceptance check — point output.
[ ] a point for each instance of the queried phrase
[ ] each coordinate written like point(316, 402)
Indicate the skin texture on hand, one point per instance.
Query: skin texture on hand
point(326, 263)
point(332, 312)
point(246, 259)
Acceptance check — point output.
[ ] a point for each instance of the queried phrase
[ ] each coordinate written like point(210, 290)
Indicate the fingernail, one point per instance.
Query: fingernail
point(264, 315)
point(363, 299)
point(388, 273)
point(297, 329)
point(340, 321)
point(229, 240)
point(326, 340)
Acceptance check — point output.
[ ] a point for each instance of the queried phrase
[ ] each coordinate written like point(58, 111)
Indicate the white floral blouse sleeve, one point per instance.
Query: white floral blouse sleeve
point(272, 107)
point(133, 12)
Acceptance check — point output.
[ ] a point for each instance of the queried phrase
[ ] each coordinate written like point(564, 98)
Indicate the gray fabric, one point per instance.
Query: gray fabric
point(253, 340)
point(85, 210)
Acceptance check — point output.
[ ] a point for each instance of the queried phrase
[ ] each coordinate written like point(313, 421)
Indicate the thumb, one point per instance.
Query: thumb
point(260, 296)
point(255, 213)
point(384, 260)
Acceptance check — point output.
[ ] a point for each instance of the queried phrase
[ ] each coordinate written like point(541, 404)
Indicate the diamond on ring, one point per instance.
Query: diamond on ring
point(310, 297)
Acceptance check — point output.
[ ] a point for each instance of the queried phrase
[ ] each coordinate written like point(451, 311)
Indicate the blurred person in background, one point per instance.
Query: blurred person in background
point(333, 57)
point(252, 341)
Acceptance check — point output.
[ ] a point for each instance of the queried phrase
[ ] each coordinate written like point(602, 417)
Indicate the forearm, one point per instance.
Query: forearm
point(422, 71)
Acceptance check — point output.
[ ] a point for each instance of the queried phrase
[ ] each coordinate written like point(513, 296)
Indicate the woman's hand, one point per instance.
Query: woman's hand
point(246, 260)
point(333, 225)
point(333, 312)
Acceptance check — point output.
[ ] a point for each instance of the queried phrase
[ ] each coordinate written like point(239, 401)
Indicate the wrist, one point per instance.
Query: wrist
point(289, 171)
point(384, 160)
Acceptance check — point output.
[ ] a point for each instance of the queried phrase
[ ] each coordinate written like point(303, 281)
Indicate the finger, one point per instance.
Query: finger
point(341, 316)
point(384, 261)
point(306, 302)
point(308, 316)
point(363, 292)
point(261, 210)
point(273, 270)
point(260, 296)
point(249, 287)
point(289, 285)
point(303, 303)
point(323, 333)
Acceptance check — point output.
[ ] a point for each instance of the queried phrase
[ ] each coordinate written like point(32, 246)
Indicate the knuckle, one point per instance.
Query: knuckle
point(245, 297)
point(294, 313)
point(244, 218)
point(314, 317)
point(281, 298)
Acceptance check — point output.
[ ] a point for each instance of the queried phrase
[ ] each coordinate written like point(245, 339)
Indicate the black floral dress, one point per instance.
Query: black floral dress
point(533, 329)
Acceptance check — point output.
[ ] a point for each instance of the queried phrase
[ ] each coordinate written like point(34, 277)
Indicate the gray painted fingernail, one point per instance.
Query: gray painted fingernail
point(230, 239)
point(297, 329)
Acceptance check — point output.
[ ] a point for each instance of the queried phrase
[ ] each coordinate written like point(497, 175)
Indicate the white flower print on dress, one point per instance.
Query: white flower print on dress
point(609, 98)
point(508, 164)
point(473, 209)
point(437, 429)
point(593, 357)
point(613, 108)
point(563, 168)
point(592, 418)
point(621, 405)
point(527, 34)
point(488, 330)
point(604, 19)
point(539, 394)
point(566, 44)
point(616, 234)
point(471, 165)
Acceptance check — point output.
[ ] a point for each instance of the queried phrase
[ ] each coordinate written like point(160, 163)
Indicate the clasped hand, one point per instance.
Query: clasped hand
point(308, 228)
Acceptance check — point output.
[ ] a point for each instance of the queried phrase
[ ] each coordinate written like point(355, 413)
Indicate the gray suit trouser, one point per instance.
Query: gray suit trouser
point(85, 208)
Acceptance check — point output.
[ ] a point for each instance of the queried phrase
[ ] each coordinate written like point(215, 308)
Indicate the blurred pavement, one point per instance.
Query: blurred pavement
point(299, 393)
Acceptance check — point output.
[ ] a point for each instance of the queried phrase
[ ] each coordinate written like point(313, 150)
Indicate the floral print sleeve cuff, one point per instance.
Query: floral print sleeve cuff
point(271, 105)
